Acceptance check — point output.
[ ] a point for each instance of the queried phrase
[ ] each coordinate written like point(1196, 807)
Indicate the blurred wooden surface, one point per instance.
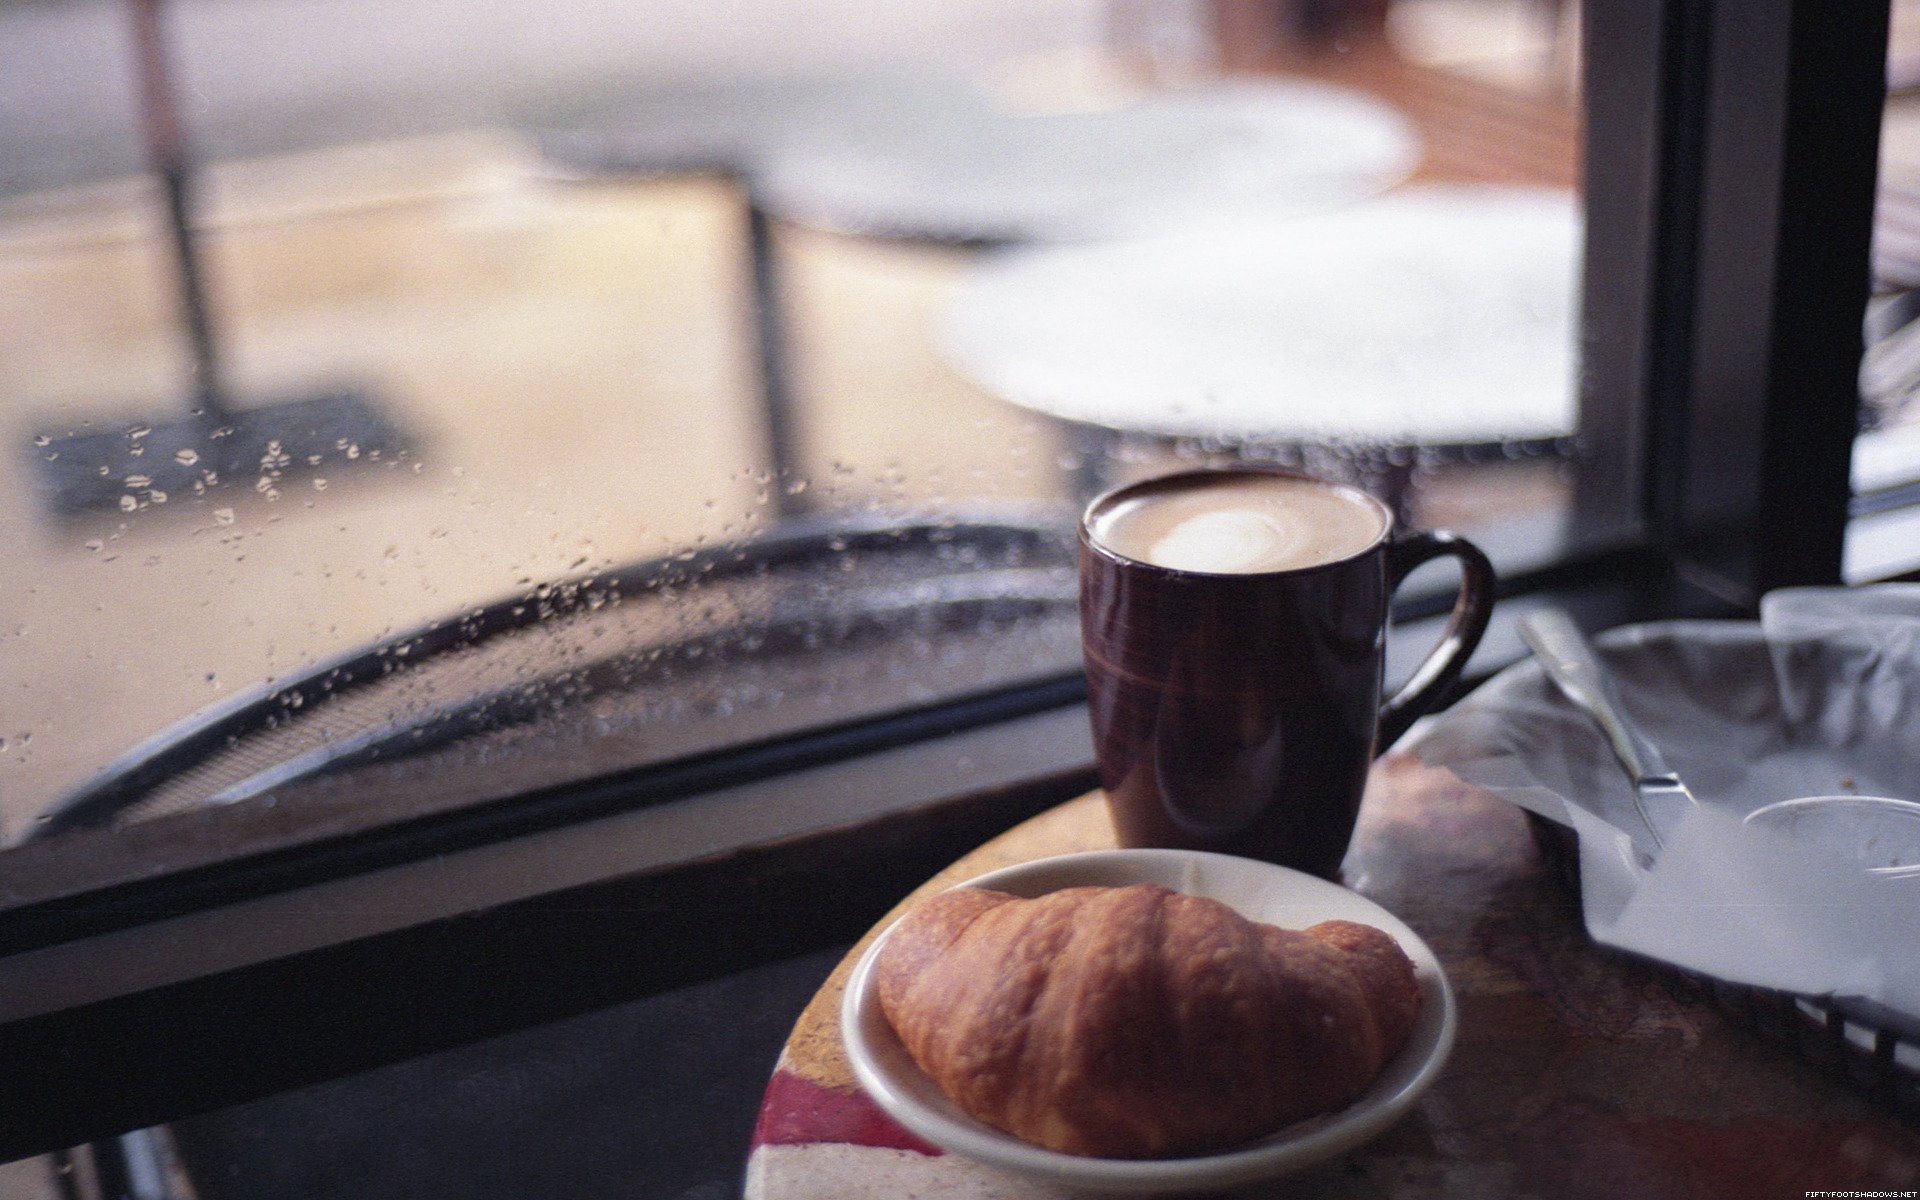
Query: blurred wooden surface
point(1474, 130)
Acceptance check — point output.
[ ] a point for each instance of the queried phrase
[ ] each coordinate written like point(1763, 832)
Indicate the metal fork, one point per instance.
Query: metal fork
point(1569, 661)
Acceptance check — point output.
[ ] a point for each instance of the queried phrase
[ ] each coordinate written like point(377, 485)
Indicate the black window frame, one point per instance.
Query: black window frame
point(1731, 151)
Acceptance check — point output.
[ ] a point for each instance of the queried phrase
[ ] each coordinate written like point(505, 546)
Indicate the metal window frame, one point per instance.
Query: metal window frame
point(1732, 165)
point(1730, 151)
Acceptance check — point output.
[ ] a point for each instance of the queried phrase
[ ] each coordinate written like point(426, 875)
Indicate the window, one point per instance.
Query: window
point(632, 437)
point(445, 351)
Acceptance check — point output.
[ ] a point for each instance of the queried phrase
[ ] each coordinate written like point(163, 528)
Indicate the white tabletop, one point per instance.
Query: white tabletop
point(741, 124)
point(1168, 160)
point(1426, 317)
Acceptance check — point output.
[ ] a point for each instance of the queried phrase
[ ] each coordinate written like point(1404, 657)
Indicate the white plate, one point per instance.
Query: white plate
point(1432, 316)
point(1258, 891)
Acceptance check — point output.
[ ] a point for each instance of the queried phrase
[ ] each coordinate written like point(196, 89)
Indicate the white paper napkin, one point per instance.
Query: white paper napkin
point(1821, 696)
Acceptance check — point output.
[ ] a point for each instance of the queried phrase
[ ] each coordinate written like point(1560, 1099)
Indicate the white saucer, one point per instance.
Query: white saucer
point(1256, 890)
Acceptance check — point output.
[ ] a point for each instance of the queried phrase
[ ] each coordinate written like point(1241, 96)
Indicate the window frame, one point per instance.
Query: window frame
point(1731, 150)
point(1731, 192)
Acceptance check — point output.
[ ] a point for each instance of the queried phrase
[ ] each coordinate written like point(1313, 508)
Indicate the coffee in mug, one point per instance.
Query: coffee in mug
point(1238, 524)
point(1234, 627)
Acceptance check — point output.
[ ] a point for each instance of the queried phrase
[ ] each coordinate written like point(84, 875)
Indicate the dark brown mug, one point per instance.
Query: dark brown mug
point(1240, 710)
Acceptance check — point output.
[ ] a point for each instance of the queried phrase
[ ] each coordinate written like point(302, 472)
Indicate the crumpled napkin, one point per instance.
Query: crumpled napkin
point(1821, 696)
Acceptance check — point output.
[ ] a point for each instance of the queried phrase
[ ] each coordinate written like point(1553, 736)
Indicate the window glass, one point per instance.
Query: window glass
point(666, 376)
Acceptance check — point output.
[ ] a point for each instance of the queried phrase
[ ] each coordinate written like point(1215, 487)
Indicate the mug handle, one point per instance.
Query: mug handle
point(1471, 610)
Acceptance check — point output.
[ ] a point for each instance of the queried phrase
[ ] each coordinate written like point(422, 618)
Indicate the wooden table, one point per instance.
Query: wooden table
point(1473, 131)
point(1578, 1073)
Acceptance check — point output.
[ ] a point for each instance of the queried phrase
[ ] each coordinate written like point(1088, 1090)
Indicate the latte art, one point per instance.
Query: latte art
point(1235, 541)
point(1235, 524)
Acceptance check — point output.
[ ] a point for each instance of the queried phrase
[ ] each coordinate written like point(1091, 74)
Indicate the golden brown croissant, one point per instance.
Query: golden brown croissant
point(1137, 1022)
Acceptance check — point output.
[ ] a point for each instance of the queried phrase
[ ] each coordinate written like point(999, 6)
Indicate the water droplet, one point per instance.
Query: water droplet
point(96, 545)
point(128, 504)
point(139, 481)
point(223, 516)
point(319, 485)
point(186, 458)
point(136, 432)
point(42, 440)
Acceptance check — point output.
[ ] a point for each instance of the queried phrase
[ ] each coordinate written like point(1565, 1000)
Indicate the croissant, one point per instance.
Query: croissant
point(1137, 1022)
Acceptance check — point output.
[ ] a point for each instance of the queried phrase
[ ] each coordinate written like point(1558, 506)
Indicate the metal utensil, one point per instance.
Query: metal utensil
point(1569, 661)
point(1879, 833)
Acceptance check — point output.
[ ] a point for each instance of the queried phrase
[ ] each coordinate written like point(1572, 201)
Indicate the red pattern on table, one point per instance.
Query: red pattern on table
point(800, 1112)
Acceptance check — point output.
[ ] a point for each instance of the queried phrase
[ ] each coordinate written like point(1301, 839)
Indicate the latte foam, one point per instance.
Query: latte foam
point(1237, 524)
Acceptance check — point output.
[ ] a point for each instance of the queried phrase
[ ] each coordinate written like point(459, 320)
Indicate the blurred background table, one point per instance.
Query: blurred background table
point(1434, 321)
point(1137, 162)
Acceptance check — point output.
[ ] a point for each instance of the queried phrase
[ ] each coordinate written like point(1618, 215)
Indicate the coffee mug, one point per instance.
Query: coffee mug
point(1234, 627)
